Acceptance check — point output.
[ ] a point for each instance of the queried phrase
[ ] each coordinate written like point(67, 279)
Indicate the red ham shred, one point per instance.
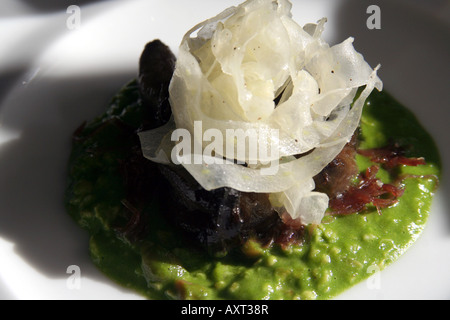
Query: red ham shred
point(370, 189)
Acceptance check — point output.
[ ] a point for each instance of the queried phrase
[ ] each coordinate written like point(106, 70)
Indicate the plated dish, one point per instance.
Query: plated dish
point(260, 163)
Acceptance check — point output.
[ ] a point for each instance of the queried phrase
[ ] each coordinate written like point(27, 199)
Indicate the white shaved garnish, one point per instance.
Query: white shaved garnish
point(230, 72)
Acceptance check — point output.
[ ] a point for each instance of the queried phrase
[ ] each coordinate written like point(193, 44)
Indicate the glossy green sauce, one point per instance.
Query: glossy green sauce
point(336, 255)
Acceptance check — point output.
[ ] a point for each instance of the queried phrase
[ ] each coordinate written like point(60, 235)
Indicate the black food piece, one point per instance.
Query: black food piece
point(337, 176)
point(156, 66)
point(219, 219)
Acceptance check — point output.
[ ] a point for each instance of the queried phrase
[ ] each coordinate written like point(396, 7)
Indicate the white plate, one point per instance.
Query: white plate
point(53, 78)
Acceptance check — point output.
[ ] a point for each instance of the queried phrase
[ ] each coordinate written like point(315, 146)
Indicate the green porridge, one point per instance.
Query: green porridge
point(335, 255)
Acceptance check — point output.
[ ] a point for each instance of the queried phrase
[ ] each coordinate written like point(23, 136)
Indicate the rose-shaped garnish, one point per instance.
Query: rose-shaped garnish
point(253, 69)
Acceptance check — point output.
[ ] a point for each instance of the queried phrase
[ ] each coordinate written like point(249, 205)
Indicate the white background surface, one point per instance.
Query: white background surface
point(53, 78)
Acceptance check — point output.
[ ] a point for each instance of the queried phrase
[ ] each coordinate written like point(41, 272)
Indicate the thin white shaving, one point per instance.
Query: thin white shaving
point(229, 71)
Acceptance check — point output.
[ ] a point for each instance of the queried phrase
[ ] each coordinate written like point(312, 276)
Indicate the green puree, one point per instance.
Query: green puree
point(337, 254)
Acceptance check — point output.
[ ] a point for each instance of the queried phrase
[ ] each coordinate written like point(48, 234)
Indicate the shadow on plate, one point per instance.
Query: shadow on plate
point(33, 167)
point(8, 78)
point(411, 72)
